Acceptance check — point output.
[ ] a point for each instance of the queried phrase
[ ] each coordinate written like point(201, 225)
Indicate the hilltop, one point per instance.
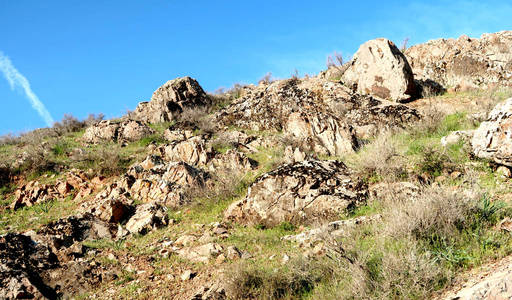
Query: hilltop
point(387, 176)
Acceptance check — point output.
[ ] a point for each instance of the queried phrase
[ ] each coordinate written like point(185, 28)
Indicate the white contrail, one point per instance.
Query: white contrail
point(15, 78)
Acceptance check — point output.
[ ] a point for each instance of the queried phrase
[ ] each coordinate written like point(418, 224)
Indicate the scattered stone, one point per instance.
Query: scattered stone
point(394, 190)
point(334, 229)
point(185, 240)
point(456, 136)
point(233, 253)
point(504, 172)
point(379, 69)
point(303, 192)
point(285, 259)
point(505, 224)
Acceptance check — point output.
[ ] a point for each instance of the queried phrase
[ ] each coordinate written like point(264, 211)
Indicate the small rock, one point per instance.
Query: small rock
point(187, 275)
point(504, 172)
point(233, 253)
point(285, 259)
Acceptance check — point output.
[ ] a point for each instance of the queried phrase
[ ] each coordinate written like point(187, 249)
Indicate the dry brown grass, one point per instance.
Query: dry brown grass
point(436, 211)
point(380, 159)
point(247, 280)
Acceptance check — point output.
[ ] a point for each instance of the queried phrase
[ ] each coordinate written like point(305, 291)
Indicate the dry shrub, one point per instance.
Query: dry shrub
point(380, 158)
point(246, 280)
point(222, 184)
point(437, 211)
point(266, 79)
point(431, 120)
point(105, 160)
point(37, 158)
point(383, 269)
point(197, 118)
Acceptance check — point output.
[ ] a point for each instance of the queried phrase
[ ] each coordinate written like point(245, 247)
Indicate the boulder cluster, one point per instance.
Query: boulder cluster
point(317, 117)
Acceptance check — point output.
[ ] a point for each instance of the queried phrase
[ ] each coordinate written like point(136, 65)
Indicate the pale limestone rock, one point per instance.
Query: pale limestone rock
point(147, 217)
point(169, 100)
point(379, 69)
point(301, 193)
point(493, 139)
point(464, 62)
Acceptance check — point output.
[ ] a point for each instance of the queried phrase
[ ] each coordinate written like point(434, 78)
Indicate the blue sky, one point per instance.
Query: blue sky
point(84, 57)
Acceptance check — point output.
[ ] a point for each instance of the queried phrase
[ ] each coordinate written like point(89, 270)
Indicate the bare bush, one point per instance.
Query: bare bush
point(436, 211)
point(335, 60)
point(380, 158)
point(432, 118)
point(251, 281)
point(267, 79)
point(106, 160)
point(403, 47)
point(197, 118)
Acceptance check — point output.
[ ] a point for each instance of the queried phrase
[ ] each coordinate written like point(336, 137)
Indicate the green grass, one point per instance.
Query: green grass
point(33, 217)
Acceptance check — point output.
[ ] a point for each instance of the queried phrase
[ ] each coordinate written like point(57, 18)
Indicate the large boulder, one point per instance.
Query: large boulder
point(379, 69)
point(169, 100)
point(493, 139)
point(302, 193)
point(116, 131)
point(464, 62)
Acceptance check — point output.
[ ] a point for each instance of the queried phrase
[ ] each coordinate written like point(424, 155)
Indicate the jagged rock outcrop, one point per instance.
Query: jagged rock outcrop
point(193, 151)
point(21, 263)
point(76, 184)
point(32, 193)
point(325, 115)
point(379, 69)
point(165, 183)
point(232, 160)
point(493, 139)
point(49, 264)
point(169, 100)
point(116, 131)
point(464, 62)
point(301, 193)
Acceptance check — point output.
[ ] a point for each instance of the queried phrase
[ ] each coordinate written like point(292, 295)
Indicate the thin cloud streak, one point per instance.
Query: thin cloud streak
point(15, 78)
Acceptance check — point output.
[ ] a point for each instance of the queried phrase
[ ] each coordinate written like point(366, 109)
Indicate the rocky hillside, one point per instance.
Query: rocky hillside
point(385, 177)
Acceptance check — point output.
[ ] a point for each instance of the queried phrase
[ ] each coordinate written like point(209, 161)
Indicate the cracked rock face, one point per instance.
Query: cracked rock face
point(493, 139)
point(325, 115)
point(379, 69)
point(125, 131)
point(48, 265)
point(465, 62)
point(301, 193)
point(169, 100)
